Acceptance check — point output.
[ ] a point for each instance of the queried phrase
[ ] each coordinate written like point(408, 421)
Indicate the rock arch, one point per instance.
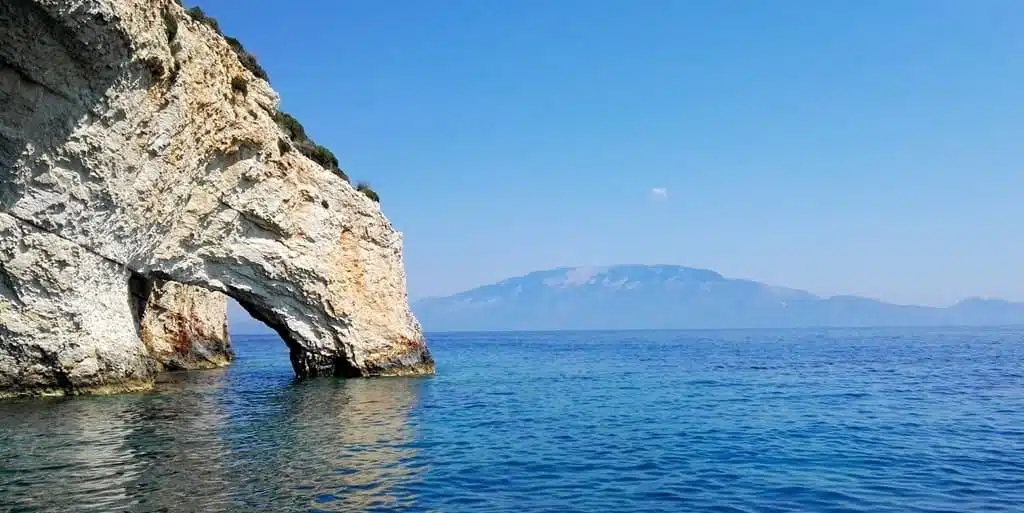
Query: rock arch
point(129, 153)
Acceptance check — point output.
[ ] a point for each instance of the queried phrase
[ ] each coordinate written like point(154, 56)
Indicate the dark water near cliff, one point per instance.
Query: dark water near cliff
point(756, 421)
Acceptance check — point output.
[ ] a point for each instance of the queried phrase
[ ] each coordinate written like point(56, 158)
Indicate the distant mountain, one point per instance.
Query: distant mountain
point(666, 296)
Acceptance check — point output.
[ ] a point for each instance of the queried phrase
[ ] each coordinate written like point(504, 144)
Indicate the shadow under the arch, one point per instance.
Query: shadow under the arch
point(305, 363)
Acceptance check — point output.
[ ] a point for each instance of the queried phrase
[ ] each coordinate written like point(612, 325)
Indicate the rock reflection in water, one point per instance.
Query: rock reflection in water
point(175, 433)
point(78, 444)
point(124, 453)
point(221, 440)
point(329, 445)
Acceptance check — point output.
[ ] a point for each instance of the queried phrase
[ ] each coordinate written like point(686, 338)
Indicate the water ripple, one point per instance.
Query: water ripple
point(742, 421)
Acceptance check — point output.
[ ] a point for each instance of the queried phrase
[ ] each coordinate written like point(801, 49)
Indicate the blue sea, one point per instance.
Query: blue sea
point(867, 420)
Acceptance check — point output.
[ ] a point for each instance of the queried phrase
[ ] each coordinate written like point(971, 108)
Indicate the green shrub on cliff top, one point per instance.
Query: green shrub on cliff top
point(291, 126)
point(365, 188)
point(197, 13)
point(320, 155)
point(306, 146)
point(247, 59)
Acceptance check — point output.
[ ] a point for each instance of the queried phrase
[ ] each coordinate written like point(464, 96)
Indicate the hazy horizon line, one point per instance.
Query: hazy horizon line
point(413, 299)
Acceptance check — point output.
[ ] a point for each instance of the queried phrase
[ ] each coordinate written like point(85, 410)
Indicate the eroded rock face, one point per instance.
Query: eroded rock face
point(135, 147)
point(185, 327)
point(65, 319)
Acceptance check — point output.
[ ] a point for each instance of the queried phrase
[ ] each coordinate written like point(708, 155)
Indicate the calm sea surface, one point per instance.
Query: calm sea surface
point(887, 420)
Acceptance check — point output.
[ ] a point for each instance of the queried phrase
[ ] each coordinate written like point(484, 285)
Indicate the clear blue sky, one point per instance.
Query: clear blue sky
point(870, 147)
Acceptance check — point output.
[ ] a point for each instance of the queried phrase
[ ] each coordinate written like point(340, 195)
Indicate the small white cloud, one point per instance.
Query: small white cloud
point(659, 193)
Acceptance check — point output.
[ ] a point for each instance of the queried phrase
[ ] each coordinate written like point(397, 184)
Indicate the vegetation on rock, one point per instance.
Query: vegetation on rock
point(247, 59)
point(306, 146)
point(365, 188)
point(291, 126)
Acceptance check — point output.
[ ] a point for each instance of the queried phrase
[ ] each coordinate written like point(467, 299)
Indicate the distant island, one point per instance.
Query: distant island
point(675, 297)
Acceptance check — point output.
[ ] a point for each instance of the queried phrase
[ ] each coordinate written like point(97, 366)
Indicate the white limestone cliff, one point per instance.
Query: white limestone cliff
point(136, 148)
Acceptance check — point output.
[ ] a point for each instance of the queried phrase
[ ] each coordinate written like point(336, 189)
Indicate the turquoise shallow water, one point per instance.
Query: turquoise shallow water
point(743, 421)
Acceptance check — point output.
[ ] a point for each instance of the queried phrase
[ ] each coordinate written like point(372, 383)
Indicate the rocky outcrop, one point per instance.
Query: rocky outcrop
point(136, 148)
point(65, 319)
point(185, 327)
